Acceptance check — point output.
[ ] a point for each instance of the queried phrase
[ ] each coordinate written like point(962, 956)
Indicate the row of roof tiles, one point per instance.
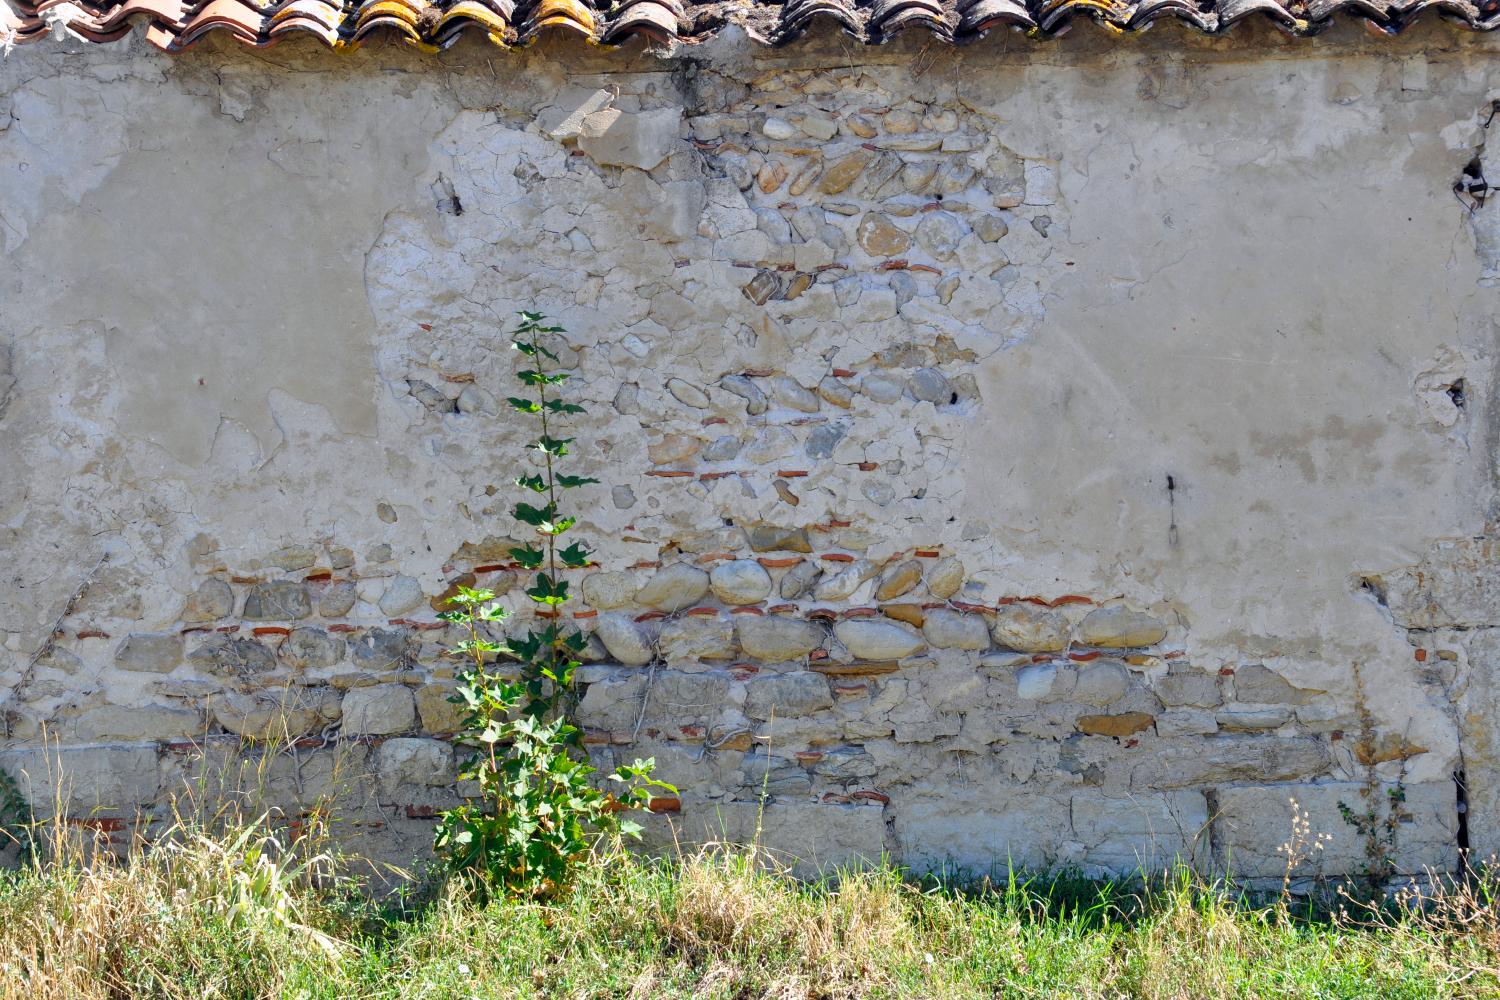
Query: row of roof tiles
point(177, 24)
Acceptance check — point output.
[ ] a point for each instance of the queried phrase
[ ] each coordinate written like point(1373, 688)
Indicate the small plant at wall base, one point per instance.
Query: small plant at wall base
point(539, 814)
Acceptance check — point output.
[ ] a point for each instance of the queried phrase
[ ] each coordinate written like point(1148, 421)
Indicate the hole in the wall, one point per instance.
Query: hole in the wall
point(1461, 807)
point(1374, 589)
point(1456, 393)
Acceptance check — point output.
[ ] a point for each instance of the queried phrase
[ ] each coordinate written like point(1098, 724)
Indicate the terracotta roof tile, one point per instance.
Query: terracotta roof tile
point(434, 24)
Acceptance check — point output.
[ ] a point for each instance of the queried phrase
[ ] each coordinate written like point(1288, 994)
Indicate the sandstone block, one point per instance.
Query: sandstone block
point(879, 237)
point(843, 172)
point(877, 640)
point(276, 715)
point(845, 582)
point(641, 139)
point(84, 781)
point(945, 577)
point(607, 591)
point(689, 639)
point(1027, 628)
point(799, 580)
point(1226, 759)
point(408, 761)
point(279, 600)
point(1035, 682)
point(741, 581)
point(1120, 627)
point(624, 639)
point(224, 656)
point(156, 653)
point(379, 710)
point(108, 723)
point(1122, 725)
point(949, 629)
point(899, 580)
point(793, 694)
point(1102, 682)
point(401, 595)
point(775, 639)
point(337, 598)
point(673, 588)
point(381, 649)
point(437, 713)
point(1188, 685)
point(311, 648)
point(214, 599)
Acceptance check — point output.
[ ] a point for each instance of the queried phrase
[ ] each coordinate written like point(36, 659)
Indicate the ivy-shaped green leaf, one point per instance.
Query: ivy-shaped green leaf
point(575, 556)
point(529, 556)
point(551, 445)
point(534, 516)
point(573, 482)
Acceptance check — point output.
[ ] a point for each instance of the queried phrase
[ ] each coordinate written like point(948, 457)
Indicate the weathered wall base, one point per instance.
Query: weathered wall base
point(1010, 454)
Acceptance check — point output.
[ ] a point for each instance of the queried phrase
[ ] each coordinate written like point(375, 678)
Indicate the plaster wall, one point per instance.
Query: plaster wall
point(1091, 443)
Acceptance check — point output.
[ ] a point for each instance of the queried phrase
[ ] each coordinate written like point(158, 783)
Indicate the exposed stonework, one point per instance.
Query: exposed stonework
point(1004, 456)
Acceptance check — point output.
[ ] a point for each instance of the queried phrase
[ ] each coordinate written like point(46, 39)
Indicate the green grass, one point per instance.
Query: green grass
point(240, 917)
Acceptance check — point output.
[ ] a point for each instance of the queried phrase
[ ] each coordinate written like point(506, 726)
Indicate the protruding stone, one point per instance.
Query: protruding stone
point(401, 595)
point(624, 639)
point(1103, 682)
point(155, 653)
point(723, 449)
point(1027, 628)
point(407, 762)
point(742, 581)
point(1247, 719)
point(280, 600)
point(793, 395)
point(1120, 627)
point(877, 640)
point(779, 129)
point(990, 228)
point(478, 401)
point(800, 692)
point(311, 648)
point(641, 139)
point(337, 598)
point(379, 710)
point(836, 392)
point(671, 448)
point(845, 582)
point(381, 649)
point(693, 637)
point(799, 579)
point(1187, 685)
point(743, 387)
point(844, 171)
point(775, 639)
point(273, 716)
point(687, 394)
point(1035, 682)
point(940, 233)
point(1256, 682)
point(899, 580)
point(607, 590)
point(674, 587)
point(949, 629)
point(111, 723)
point(931, 385)
point(438, 714)
point(228, 657)
point(879, 237)
point(911, 614)
point(770, 538)
point(1120, 726)
point(880, 387)
point(214, 599)
point(945, 577)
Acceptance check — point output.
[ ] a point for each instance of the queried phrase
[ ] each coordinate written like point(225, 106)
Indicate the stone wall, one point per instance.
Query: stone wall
point(1043, 453)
